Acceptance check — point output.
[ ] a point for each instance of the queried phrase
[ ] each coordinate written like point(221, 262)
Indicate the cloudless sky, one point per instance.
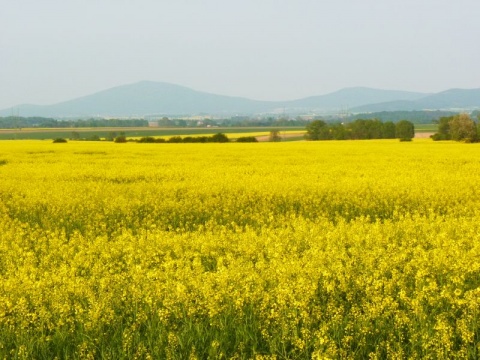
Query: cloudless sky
point(56, 50)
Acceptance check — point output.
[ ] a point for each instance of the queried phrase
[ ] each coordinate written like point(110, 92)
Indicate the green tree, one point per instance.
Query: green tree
point(374, 129)
point(388, 130)
point(359, 129)
point(165, 122)
point(404, 130)
point(317, 130)
point(175, 139)
point(247, 139)
point(444, 125)
point(274, 136)
point(219, 137)
point(443, 129)
point(120, 139)
point(463, 128)
point(339, 132)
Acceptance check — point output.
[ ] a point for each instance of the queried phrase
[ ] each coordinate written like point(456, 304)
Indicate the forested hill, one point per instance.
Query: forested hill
point(158, 98)
point(449, 99)
point(147, 98)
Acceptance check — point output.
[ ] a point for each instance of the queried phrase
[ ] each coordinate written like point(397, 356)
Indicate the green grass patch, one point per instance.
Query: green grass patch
point(426, 127)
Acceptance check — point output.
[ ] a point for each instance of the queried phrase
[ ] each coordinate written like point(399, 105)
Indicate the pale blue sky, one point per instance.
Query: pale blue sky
point(55, 50)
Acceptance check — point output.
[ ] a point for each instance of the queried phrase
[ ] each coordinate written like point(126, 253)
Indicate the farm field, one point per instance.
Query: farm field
point(261, 134)
point(135, 132)
point(289, 133)
point(426, 127)
point(294, 250)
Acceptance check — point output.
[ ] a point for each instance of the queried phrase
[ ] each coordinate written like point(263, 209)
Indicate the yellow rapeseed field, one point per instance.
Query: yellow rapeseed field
point(298, 250)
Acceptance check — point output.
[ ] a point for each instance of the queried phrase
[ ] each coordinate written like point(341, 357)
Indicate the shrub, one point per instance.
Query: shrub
point(219, 137)
point(196, 139)
point(146, 139)
point(439, 137)
point(121, 139)
point(60, 140)
point(175, 139)
point(275, 136)
point(150, 139)
point(247, 139)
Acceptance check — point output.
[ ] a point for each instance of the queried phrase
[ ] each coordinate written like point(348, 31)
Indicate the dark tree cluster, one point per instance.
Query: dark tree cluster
point(460, 127)
point(360, 129)
point(151, 140)
point(244, 139)
point(217, 138)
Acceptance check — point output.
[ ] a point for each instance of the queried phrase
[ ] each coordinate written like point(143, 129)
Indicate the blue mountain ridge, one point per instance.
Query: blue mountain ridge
point(159, 98)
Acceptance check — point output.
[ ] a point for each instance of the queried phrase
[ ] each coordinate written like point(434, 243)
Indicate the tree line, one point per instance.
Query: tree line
point(16, 122)
point(360, 129)
point(416, 117)
point(236, 121)
point(216, 138)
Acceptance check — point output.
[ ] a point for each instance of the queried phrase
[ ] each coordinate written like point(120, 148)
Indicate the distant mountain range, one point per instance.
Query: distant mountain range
point(445, 100)
point(157, 98)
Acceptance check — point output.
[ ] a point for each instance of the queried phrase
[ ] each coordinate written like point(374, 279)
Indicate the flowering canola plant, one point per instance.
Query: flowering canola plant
point(359, 249)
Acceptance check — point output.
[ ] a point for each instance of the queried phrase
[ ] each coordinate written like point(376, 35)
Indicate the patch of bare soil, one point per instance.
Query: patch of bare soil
point(283, 136)
point(423, 135)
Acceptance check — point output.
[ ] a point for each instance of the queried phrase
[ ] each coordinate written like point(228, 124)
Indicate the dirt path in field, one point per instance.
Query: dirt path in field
point(283, 136)
point(423, 135)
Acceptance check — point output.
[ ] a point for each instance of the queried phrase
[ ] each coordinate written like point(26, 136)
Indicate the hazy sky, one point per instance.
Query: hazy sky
point(55, 50)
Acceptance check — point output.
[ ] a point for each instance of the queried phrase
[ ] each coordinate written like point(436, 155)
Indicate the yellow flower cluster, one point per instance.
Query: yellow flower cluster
point(360, 249)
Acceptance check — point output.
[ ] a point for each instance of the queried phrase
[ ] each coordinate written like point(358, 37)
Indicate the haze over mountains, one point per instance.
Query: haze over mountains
point(157, 98)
